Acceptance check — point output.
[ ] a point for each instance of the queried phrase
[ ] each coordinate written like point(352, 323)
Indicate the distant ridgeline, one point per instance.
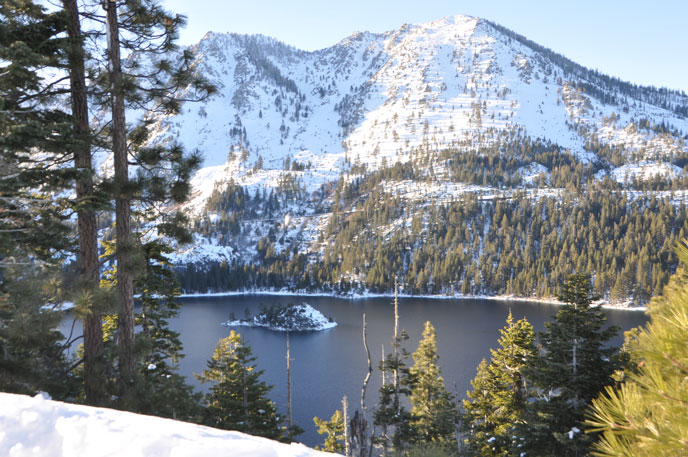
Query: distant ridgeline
point(503, 235)
point(606, 88)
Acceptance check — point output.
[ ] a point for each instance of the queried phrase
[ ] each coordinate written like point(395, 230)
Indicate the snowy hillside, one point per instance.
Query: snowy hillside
point(374, 98)
point(38, 427)
point(324, 170)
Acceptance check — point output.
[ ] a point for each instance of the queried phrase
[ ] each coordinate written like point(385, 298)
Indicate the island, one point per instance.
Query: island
point(289, 318)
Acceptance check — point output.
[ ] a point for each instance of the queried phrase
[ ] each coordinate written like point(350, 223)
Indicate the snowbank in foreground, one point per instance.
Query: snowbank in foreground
point(38, 427)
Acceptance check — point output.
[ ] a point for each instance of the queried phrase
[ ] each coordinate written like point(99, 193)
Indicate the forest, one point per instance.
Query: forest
point(514, 238)
point(99, 240)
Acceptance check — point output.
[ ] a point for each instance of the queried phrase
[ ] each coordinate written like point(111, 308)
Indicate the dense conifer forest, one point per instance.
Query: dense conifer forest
point(521, 239)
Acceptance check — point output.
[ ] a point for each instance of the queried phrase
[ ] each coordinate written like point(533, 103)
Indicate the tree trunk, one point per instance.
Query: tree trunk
point(124, 245)
point(364, 410)
point(345, 413)
point(362, 433)
point(86, 217)
point(395, 373)
point(289, 410)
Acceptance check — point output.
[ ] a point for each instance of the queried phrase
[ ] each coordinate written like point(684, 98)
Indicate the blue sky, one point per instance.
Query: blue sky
point(645, 42)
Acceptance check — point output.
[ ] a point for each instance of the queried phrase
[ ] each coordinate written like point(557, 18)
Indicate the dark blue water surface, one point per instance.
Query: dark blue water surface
point(330, 364)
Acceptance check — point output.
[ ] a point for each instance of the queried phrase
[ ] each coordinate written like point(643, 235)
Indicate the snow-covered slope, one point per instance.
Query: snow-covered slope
point(38, 427)
point(376, 98)
point(430, 114)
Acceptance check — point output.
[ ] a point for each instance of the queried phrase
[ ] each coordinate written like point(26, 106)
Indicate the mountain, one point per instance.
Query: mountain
point(296, 143)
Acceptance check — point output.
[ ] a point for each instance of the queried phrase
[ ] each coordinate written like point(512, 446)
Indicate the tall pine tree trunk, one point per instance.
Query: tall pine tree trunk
point(289, 410)
point(125, 283)
point(396, 345)
point(86, 216)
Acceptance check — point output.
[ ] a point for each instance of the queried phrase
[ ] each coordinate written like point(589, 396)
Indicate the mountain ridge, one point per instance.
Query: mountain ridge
point(432, 103)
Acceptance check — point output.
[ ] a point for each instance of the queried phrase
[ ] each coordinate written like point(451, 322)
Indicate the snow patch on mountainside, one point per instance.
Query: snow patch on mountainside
point(644, 171)
point(532, 172)
point(202, 250)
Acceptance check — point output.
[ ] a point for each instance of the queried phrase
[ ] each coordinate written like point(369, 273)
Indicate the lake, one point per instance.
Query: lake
point(330, 364)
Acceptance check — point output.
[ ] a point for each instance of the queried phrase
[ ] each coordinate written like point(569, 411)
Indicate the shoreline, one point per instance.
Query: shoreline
point(357, 296)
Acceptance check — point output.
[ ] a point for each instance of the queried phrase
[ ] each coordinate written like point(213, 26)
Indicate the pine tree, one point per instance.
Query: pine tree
point(434, 413)
point(123, 196)
point(499, 395)
point(33, 207)
point(38, 43)
point(334, 429)
point(575, 366)
point(238, 399)
point(162, 173)
point(88, 201)
point(646, 414)
point(31, 222)
point(160, 389)
point(391, 415)
point(32, 356)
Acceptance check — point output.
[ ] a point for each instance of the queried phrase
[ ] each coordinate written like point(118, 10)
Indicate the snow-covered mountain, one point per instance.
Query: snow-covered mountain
point(372, 99)
point(293, 123)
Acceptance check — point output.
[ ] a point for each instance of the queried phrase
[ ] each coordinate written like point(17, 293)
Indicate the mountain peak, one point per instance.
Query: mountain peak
point(374, 98)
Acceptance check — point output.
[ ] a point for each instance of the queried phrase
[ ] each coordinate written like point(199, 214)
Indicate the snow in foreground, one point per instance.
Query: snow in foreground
point(39, 427)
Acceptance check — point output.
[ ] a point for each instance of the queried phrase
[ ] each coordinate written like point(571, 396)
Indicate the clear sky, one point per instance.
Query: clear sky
point(645, 42)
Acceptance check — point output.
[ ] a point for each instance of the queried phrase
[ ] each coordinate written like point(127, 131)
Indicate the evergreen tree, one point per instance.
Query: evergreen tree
point(38, 44)
point(88, 201)
point(575, 365)
point(123, 194)
point(391, 415)
point(646, 414)
point(31, 350)
point(499, 395)
point(238, 398)
point(434, 413)
point(34, 236)
point(31, 222)
point(162, 173)
point(161, 390)
point(334, 429)
point(158, 175)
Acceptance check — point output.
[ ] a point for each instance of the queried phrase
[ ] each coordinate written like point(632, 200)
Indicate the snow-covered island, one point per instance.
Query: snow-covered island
point(289, 318)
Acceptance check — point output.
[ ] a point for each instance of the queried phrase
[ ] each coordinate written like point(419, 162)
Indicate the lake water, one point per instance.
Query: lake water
point(330, 364)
